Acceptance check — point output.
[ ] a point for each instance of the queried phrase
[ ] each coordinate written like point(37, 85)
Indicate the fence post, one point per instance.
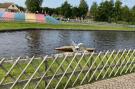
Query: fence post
point(90, 73)
point(46, 67)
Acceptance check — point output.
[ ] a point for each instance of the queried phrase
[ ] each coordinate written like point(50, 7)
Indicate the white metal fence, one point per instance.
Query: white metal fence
point(61, 72)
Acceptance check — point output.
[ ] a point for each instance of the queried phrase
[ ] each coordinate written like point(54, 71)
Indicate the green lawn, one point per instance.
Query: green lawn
point(72, 26)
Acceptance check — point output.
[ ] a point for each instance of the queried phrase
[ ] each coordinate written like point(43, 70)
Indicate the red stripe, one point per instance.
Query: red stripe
point(8, 16)
point(40, 18)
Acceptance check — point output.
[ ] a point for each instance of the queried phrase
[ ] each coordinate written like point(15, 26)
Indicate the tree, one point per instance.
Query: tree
point(105, 11)
point(34, 5)
point(57, 11)
point(75, 12)
point(93, 10)
point(66, 10)
point(111, 13)
point(133, 14)
point(48, 10)
point(83, 9)
point(118, 10)
point(126, 15)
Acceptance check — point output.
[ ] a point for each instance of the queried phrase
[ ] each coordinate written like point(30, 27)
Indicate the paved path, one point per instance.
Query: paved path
point(123, 82)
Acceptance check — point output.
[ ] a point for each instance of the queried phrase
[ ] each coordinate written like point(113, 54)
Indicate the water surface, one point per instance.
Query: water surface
point(43, 42)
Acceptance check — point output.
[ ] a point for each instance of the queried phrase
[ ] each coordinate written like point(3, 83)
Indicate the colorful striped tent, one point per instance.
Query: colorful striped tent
point(27, 17)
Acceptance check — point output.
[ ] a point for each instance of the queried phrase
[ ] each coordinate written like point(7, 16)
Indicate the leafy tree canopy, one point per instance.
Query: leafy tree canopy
point(66, 9)
point(83, 8)
point(34, 5)
point(94, 9)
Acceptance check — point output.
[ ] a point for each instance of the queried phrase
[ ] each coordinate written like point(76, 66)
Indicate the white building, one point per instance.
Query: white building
point(11, 7)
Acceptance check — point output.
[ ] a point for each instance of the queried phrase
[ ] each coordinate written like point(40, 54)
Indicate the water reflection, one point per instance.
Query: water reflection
point(34, 39)
point(43, 42)
point(105, 40)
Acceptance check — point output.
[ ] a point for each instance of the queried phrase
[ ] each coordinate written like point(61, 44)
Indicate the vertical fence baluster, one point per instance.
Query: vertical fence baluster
point(46, 67)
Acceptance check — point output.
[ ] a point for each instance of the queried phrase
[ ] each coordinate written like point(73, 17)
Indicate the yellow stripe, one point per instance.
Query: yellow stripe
point(30, 17)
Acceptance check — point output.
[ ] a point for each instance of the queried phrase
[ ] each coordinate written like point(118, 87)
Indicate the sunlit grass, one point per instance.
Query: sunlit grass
point(66, 26)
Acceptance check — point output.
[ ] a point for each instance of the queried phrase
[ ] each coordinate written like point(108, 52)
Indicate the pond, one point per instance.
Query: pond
point(43, 42)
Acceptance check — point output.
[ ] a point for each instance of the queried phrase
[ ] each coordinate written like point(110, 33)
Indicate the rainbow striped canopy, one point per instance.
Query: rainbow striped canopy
point(27, 17)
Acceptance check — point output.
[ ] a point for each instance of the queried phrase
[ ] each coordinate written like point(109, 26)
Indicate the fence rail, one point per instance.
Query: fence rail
point(61, 72)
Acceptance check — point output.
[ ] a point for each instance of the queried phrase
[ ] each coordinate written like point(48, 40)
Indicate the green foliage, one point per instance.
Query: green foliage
point(126, 15)
point(34, 5)
point(57, 11)
point(105, 11)
point(66, 10)
point(94, 9)
point(83, 8)
point(110, 11)
point(75, 12)
point(47, 10)
point(133, 15)
point(118, 10)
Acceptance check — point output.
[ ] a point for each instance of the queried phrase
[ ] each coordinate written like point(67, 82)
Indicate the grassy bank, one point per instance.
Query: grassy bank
point(74, 26)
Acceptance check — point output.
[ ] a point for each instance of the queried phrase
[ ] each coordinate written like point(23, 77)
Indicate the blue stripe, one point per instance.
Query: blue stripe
point(19, 16)
point(51, 20)
point(1, 15)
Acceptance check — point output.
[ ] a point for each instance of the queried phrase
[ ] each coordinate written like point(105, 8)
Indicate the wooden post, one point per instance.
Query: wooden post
point(90, 73)
point(46, 67)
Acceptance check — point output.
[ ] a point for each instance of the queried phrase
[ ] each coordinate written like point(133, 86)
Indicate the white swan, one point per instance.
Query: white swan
point(77, 47)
